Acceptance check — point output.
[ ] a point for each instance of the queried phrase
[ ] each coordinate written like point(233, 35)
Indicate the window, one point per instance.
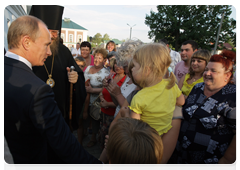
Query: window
point(63, 36)
point(70, 38)
point(13, 17)
point(79, 38)
point(8, 23)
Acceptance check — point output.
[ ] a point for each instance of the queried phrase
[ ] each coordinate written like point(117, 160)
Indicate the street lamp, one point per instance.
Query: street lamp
point(130, 29)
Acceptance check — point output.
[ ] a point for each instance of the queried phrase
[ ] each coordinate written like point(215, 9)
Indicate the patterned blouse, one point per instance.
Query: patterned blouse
point(207, 128)
point(95, 80)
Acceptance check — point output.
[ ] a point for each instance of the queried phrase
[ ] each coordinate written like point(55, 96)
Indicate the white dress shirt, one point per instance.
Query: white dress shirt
point(19, 58)
point(75, 51)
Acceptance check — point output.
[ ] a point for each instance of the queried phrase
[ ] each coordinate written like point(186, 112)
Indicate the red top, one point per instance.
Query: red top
point(106, 95)
point(91, 64)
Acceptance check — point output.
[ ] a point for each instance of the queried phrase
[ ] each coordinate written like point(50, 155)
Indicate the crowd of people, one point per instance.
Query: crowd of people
point(156, 105)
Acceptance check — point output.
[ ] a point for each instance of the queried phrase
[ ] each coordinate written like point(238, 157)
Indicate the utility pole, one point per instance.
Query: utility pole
point(219, 29)
point(130, 29)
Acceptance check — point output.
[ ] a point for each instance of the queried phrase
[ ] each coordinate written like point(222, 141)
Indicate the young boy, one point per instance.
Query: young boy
point(80, 62)
point(133, 141)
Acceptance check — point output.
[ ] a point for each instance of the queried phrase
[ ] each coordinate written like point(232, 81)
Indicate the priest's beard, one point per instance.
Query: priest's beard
point(54, 46)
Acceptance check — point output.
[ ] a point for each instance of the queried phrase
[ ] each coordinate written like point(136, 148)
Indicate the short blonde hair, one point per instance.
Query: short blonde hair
point(101, 51)
point(156, 57)
point(133, 141)
point(24, 25)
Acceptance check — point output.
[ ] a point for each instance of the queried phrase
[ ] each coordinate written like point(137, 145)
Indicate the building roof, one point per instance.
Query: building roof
point(117, 41)
point(67, 23)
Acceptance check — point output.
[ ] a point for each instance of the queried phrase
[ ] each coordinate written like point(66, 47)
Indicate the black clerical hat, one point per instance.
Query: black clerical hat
point(51, 15)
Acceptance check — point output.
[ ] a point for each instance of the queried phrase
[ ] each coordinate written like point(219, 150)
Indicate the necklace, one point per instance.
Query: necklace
point(194, 79)
point(50, 81)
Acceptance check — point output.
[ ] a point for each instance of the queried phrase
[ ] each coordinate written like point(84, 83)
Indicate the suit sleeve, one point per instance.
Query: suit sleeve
point(48, 119)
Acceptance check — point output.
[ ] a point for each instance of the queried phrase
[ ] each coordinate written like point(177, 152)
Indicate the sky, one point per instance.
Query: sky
point(113, 19)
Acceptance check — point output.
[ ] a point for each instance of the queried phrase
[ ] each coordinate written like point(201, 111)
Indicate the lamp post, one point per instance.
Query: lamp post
point(130, 29)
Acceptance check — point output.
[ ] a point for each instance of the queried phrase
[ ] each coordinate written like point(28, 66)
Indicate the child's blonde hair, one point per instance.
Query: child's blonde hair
point(133, 141)
point(156, 58)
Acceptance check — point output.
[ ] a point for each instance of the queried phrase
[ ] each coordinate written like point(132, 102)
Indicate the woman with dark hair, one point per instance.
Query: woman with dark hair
point(111, 46)
point(85, 48)
point(208, 130)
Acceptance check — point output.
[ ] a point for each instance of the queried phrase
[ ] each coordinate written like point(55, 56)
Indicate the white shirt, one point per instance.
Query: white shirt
point(126, 89)
point(176, 58)
point(19, 58)
point(75, 51)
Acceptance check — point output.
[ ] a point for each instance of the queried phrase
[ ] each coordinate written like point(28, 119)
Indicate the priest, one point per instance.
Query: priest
point(56, 69)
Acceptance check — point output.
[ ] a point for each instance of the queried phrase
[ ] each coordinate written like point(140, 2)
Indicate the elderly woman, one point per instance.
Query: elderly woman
point(198, 62)
point(208, 131)
point(85, 48)
point(96, 74)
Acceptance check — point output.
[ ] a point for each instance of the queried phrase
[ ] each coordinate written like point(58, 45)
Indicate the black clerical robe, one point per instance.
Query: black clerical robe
point(61, 89)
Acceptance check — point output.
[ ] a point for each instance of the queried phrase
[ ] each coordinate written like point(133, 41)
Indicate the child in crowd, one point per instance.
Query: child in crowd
point(80, 62)
point(155, 103)
point(133, 141)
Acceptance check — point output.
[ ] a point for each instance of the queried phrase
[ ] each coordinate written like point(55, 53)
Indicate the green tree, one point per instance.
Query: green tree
point(178, 23)
point(105, 37)
point(97, 38)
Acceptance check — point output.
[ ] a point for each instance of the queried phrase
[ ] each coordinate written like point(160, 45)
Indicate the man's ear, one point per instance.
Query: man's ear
point(26, 42)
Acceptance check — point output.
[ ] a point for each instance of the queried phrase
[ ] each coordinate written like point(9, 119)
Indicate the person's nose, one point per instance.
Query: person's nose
point(207, 72)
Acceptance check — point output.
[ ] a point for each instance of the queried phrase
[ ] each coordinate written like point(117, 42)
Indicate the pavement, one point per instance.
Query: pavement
point(94, 150)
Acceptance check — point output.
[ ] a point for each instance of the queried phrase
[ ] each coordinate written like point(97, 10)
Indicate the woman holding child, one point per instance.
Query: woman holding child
point(148, 73)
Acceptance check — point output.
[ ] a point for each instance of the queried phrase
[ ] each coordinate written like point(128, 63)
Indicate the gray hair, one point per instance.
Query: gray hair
point(112, 53)
point(126, 52)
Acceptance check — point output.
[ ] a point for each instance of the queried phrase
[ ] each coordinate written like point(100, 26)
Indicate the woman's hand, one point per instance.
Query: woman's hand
point(224, 164)
point(89, 89)
point(113, 88)
point(105, 82)
point(103, 102)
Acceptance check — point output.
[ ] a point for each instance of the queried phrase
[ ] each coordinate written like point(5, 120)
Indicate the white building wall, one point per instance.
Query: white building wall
point(11, 13)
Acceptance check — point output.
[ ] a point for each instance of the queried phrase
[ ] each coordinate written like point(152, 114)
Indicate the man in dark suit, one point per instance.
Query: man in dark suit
point(33, 123)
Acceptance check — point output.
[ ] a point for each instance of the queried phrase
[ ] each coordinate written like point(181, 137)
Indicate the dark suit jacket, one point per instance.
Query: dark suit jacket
point(33, 124)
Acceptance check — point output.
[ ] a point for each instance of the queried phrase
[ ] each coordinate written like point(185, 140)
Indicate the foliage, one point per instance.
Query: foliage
point(97, 38)
point(106, 37)
point(178, 23)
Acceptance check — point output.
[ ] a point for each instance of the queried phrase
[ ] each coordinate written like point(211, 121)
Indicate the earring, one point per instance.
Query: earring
point(225, 80)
